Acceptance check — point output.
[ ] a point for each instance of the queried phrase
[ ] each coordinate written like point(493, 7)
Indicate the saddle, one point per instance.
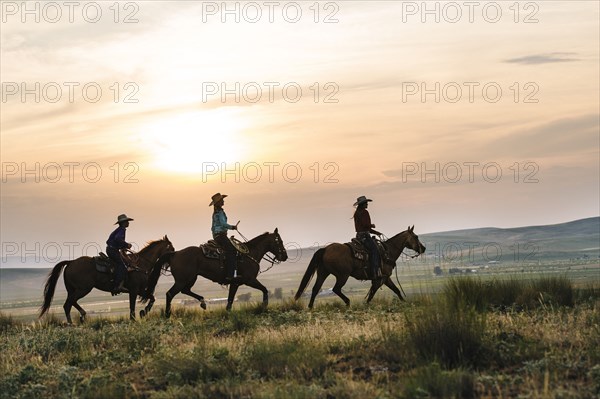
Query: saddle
point(362, 254)
point(213, 250)
point(104, 264)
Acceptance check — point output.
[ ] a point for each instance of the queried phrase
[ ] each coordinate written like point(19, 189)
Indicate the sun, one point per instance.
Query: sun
point(185, 143)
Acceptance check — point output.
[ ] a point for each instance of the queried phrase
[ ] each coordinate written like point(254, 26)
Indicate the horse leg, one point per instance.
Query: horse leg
point(82, 313)
point(72, 299)
point(340, 281)
point(146, 310)
point(170, 294)
point(373, 290)
point(132, 298)
point(321, 276)
point(188, 291)
point(67, 307)
point(258, 285)
point(232, 291)
point(390, 284)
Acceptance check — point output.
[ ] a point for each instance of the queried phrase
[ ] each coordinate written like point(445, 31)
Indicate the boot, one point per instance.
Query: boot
point(229, 274)
point(120, 289)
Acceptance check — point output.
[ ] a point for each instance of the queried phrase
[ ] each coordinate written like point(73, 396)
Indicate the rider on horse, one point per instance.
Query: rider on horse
point(116, 241)
point(219, 232)
point(364, 228)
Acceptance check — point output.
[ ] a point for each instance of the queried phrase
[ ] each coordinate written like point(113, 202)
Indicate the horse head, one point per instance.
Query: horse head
point(276, 246)
point(153, 250)
point(412, 241)
point(168, 245)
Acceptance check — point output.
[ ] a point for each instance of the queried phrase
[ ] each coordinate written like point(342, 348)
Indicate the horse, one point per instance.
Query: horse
point(189, 263)
point(81, 277)
point(337, 259)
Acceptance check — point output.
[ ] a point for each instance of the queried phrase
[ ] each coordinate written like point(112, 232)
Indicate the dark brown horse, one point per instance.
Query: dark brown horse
point(187, 264)
point(81, 277)
point(337, 259)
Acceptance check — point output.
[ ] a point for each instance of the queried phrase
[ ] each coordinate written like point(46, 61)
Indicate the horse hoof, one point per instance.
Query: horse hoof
point(142, 313)
point(203, 305)
point(82, 319)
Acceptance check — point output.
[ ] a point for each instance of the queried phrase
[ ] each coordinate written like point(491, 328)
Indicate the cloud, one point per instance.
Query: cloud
point(536, 59)
point(574, 135)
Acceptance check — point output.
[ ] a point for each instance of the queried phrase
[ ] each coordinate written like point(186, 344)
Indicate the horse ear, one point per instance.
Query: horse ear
point(276, 230)
point(412, 228)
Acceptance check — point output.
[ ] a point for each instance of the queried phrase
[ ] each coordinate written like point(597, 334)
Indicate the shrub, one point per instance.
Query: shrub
point(6, 322)
point(198, 365)
point(433, 382)
point(290, 358)
point(452, 335)
point(467, 291)
point(504, 293)
point(554, 290)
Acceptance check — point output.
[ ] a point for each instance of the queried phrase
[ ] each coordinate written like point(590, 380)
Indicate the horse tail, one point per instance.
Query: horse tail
point(50, 285)
point(155, 275)
point(315, 262)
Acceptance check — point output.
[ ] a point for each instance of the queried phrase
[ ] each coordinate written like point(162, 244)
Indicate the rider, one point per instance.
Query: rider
point(364, 228)
point(115, 242)
point(219, 232)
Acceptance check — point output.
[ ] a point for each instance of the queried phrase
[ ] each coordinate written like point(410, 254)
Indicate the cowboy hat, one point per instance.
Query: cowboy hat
point(361, 200)
point(216, 198)
point(123, 218)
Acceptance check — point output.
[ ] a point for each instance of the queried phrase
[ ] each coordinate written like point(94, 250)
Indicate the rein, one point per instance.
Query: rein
point(135, 257)
point(267, 257)
point(385, 238)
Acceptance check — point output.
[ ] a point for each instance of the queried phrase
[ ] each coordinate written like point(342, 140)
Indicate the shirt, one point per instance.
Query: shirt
point(117, 239)
point(362, 220)
point(219, 222)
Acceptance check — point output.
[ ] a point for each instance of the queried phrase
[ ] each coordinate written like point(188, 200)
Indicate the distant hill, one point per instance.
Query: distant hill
point(577, 242)
point(579, 239)
point(23, 283)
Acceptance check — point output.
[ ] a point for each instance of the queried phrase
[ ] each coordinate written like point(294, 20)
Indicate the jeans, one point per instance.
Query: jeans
point(120, 269)
point(230, 252)
point(369, 243)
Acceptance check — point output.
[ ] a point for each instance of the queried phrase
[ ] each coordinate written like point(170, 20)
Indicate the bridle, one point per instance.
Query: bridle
point(267, 256)
point(135, 258)
point(396, 269)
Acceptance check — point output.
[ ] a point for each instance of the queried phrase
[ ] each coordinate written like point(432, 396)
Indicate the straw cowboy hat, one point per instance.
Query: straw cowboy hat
point(123, 218)
point(216, 198)
point(361, 200)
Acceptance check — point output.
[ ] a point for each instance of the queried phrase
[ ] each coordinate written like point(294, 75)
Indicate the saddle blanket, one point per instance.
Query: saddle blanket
point(212, 250)
point(104, 264)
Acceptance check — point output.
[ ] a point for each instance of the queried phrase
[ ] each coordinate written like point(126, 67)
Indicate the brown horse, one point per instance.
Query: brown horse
point(187, 264)
point(81, 277)
point(337, 259)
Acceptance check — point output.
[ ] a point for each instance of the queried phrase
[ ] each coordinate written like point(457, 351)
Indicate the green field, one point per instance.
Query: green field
point(462, 342)
point(471, 327)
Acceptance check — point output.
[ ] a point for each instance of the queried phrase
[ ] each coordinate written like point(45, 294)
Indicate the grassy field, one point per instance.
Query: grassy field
point(478, 337)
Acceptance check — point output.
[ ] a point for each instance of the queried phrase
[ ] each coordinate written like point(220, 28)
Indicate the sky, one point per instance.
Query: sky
point(448, 115)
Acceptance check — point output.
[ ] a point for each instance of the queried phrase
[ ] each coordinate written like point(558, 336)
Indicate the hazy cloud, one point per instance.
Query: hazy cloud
point(536, 59)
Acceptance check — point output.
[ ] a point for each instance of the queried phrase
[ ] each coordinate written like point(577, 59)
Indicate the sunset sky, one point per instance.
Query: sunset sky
point(353, 118)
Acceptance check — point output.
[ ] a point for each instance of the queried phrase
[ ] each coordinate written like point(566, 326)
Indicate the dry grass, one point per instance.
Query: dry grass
point(382, 350)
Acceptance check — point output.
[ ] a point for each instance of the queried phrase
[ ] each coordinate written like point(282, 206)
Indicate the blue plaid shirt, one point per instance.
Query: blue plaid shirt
point(219, 222)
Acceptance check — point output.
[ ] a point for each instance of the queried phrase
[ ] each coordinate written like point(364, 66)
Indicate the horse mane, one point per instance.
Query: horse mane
point(396, 235)
point(150, 244)
point(253, 240)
